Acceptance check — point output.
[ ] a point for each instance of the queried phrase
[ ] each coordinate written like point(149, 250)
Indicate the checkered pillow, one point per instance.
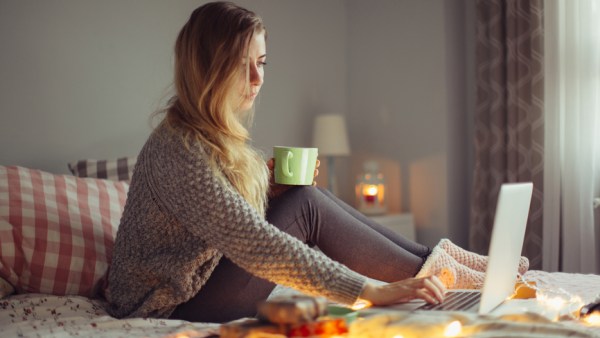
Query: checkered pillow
point(119, 169)
point(57, 231)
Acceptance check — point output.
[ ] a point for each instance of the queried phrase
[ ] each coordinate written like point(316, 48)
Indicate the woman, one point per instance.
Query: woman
point(206, 233)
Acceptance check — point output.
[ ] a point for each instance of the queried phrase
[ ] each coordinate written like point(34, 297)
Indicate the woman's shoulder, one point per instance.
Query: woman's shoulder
point(165, 133)
point(173, 140)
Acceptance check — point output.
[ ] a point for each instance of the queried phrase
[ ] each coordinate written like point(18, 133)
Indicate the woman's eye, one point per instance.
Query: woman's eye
point(262, 63)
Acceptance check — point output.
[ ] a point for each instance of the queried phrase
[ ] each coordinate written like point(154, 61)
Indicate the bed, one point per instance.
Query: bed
point(56, 236)
point(43, 315)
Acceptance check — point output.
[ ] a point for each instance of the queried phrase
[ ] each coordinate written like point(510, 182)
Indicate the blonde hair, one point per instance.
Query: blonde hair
point(208, 58)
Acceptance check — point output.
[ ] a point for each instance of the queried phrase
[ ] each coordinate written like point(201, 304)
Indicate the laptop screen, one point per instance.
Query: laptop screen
point(506, 244)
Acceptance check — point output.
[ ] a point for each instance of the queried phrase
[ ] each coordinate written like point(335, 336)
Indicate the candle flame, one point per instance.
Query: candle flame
point(371, 190)
point(453, 329)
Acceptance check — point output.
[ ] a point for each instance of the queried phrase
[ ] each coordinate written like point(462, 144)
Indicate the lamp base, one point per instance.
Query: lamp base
point(331, 181)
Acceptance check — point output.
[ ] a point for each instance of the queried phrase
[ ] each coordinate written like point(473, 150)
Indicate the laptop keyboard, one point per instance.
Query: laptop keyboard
point(455, 301)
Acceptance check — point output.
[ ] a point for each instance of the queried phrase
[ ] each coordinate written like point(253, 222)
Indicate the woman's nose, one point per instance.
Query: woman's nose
point(256, 76)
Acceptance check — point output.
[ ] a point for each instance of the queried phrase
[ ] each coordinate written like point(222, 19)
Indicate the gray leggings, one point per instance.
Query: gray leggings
point(318, 218)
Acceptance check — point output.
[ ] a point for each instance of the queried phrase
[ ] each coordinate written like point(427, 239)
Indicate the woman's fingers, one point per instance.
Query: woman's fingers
point(439, 283)
point(427, 296)
point(316, 172)
point(435, 287)
point(430, 289)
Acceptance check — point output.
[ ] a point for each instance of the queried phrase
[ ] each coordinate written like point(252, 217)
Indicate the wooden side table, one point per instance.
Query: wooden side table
point(404, 224)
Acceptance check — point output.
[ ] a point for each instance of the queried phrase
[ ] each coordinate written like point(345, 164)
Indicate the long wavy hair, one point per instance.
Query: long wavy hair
point(209, 52)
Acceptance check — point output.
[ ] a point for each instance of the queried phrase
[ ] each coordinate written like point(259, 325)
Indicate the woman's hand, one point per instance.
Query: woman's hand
point(430, 289)
point(316, 172)
point(277, 189)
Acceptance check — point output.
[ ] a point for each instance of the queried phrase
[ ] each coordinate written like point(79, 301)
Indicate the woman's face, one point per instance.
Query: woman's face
point(257, 55)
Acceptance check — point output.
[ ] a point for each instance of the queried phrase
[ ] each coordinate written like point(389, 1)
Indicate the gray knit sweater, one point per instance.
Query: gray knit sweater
point(180, 219)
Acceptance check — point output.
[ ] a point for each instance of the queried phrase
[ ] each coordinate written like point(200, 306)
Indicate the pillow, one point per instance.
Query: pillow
point(5, 288)
point(119, 169)
point(57, 231)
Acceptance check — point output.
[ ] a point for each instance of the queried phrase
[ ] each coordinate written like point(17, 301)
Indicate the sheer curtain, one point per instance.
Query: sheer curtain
point(572, 136)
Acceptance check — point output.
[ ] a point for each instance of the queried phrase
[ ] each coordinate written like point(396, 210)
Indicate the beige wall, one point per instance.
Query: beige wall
point(407, 99)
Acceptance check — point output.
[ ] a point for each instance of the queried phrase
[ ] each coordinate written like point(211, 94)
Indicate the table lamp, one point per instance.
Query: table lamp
point(331, 137)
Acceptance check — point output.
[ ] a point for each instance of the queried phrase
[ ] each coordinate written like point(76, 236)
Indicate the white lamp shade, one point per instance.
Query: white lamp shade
point(330, 135)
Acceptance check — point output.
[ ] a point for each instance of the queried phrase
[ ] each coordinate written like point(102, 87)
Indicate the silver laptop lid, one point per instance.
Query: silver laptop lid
point(506, 244)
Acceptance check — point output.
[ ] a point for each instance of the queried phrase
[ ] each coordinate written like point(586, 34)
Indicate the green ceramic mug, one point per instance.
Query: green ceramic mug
point(295, 165)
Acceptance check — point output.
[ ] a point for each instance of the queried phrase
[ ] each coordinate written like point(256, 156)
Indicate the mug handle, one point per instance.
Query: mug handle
point(285, 165)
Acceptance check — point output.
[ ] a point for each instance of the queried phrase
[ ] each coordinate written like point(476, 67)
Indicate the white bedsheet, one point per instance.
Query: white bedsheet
point(38, 315)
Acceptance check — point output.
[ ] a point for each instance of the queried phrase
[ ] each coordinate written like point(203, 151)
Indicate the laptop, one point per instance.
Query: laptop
point(504, 253)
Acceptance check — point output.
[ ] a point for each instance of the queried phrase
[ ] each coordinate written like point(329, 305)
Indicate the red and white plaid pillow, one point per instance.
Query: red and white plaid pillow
point(57, 231)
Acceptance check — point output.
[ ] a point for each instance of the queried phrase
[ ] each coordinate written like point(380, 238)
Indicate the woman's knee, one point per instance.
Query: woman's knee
point(305, 192)
point(293, 211)
point(297, 196)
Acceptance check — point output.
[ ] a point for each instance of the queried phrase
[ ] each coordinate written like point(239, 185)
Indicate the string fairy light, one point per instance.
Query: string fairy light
point(559, 301)
point(556, 304)
point(593, 319)
point(453, 329)
point(361, 304)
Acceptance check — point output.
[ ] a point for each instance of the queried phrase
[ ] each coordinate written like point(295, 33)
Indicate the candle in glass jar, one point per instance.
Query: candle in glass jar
point(370, 190)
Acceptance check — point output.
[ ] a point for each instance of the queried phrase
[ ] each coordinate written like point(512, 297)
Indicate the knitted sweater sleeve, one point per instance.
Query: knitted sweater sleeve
point(185, 185)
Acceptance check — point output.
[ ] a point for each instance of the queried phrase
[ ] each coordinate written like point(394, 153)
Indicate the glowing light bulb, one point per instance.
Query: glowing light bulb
point(453, 329)
point(398, 336)
point(361, 304)
point(593, 319)
point(555, 303)
point(182, 335)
